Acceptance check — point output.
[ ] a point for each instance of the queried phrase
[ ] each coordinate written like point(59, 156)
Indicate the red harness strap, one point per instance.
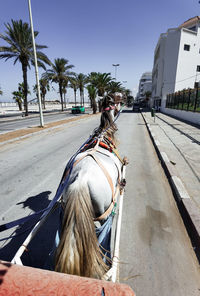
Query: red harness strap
point(103, 145)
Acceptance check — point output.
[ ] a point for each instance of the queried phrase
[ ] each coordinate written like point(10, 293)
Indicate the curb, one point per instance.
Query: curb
point(188, 209)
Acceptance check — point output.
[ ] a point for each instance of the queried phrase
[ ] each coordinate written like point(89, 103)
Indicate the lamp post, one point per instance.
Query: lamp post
point(115, 65)
point(36, 65)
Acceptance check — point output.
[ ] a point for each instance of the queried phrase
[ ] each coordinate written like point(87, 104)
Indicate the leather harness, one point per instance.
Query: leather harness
point(90, 153)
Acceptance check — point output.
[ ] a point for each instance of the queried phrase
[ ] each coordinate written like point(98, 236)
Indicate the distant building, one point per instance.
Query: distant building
point(176, 61)
point(145, 85)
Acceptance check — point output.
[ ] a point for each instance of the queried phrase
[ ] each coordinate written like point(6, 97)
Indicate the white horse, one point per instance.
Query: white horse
point(90, 196)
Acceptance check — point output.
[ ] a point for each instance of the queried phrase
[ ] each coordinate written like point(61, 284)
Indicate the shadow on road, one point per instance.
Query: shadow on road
point(127, 111)
point(42, 243)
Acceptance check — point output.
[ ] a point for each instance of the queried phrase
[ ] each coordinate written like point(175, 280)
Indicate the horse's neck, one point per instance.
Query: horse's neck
point(112, 114)
point(109, 139)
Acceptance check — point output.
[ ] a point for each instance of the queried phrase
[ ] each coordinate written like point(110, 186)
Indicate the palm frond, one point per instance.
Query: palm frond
point(7, 49)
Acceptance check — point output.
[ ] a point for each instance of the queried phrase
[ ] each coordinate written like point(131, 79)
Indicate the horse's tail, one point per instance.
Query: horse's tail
point(78, 252)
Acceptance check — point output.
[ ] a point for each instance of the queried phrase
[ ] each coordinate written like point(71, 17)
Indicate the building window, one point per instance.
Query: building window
point(187, 47)
point(198, 68)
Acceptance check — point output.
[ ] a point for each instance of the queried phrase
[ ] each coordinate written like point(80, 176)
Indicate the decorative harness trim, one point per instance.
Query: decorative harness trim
point(106, 143)
point(108, 108)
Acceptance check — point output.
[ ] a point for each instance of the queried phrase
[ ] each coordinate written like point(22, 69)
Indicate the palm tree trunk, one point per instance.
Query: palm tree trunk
point(91, 103)
point(44, 106)
point(75, 97)
point(19, 105)
point(94, 106)
point(83, 97)
point(65, 99)
point(61, 97)
point(24, 69)
point(80, 97)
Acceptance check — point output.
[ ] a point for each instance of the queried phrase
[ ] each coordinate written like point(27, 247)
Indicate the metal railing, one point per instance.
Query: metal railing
point(188, 100)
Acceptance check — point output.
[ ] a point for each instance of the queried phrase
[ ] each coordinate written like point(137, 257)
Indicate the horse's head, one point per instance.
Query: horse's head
point(110, 108)
point(111, 103)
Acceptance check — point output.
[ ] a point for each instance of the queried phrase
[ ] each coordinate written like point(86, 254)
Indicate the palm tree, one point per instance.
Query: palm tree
point(115, 87)
point(101, 81)
point(65, 84)
point(19, 38)
point(1, 92)
point(44, 87)
point(127, 92)
point(74, 85)
point(19, 95)
point(82, 81)
point(59, 73)
point(92, 92)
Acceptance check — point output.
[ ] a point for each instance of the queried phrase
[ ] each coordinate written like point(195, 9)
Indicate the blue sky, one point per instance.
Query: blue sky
point(93, 35)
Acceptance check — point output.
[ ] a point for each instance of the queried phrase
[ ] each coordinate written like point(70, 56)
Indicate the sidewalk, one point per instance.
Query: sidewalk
point(178, 146)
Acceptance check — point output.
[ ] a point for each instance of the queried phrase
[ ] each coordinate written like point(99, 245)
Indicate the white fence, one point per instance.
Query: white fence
point(6, 104)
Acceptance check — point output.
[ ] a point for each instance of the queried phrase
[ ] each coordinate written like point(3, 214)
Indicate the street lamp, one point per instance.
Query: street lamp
point(36, 65)
point(115, 65)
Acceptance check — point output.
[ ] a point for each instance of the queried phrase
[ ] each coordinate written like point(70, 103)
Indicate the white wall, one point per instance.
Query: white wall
point(188, 60)
point(175, 68)
point(159, 68)
point(186, 115)
point(170, 63)
point(7, 104)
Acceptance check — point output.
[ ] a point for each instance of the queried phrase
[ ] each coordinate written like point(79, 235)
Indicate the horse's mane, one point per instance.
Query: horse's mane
point(107, 125)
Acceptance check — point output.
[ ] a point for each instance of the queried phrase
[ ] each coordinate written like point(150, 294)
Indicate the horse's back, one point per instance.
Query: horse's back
point(93, 168)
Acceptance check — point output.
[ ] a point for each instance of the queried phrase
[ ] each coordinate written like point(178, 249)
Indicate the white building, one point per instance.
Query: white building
point(145, 85)
point(176, 61)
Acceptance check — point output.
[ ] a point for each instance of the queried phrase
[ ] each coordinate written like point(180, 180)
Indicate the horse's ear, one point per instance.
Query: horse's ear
point(107, 100)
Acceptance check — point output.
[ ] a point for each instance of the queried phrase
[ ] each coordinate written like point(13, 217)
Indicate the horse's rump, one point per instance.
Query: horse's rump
point(95, 176)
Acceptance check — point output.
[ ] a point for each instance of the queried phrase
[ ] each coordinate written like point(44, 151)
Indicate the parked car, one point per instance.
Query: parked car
point(78, 109)
point(136, 107)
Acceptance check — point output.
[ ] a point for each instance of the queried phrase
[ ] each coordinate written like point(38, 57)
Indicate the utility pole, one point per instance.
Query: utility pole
point(36, 66)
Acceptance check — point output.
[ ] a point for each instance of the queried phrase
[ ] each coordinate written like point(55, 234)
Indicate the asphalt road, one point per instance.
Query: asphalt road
point(156, 255)
point(155, 252)
point(10, 124)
